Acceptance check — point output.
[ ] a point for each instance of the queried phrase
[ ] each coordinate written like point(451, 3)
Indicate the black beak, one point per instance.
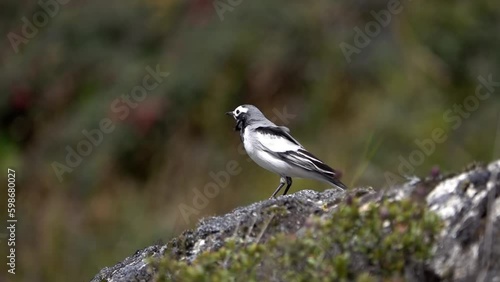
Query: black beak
point(230, 114)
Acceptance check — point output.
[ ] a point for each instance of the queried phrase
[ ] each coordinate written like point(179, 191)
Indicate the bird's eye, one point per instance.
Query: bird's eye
point(237, 112)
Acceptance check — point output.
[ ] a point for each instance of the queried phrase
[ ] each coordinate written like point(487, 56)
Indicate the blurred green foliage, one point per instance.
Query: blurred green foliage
point(361, 116)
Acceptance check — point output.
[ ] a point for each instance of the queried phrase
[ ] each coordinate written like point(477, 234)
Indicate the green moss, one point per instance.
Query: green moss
point(355, 243)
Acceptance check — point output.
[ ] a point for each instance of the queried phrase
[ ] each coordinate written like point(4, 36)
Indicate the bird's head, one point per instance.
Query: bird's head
point(243, 114)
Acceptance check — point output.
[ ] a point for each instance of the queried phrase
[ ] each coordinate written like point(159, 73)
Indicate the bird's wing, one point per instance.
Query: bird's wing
point(307, 161)
point(284, 128)
point(276, 139)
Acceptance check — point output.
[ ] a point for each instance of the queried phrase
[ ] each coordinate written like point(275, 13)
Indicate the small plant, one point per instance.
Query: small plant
point(355, 243)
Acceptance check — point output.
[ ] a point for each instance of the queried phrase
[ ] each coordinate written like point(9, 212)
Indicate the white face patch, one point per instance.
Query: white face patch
point(239, 110)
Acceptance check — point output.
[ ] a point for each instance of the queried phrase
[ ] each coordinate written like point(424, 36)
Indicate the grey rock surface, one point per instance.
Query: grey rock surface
point(468, 248)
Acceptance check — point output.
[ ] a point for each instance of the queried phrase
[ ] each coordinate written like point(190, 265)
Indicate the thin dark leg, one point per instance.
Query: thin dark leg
point(282, 182)
point(288, 184)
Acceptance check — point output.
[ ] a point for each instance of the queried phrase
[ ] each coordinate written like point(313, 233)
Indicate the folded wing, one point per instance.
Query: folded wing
point(278, 141)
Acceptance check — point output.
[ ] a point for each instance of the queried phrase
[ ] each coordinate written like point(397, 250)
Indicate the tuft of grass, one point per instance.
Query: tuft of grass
point(356, 243)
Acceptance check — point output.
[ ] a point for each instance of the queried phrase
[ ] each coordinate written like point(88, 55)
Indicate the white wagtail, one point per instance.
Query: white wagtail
point(273, 148)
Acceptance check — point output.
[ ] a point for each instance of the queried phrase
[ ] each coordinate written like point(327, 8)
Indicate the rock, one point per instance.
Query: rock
point(133, 268)
point(467, 248)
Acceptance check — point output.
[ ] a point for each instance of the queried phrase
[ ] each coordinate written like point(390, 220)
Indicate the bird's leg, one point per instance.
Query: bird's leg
point(288, 184)
point(282, 182)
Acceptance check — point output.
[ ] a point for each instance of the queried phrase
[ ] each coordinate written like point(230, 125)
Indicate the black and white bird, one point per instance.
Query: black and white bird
point(273, 148)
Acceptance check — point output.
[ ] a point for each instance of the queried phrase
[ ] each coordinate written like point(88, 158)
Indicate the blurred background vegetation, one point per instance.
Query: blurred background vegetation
point(360, 115)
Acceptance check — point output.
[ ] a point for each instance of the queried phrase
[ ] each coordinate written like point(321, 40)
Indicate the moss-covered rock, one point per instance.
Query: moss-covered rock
point(355, 242)
point(439, 229)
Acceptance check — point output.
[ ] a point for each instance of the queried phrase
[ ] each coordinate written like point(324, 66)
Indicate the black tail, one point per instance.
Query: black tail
point(337, 183)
